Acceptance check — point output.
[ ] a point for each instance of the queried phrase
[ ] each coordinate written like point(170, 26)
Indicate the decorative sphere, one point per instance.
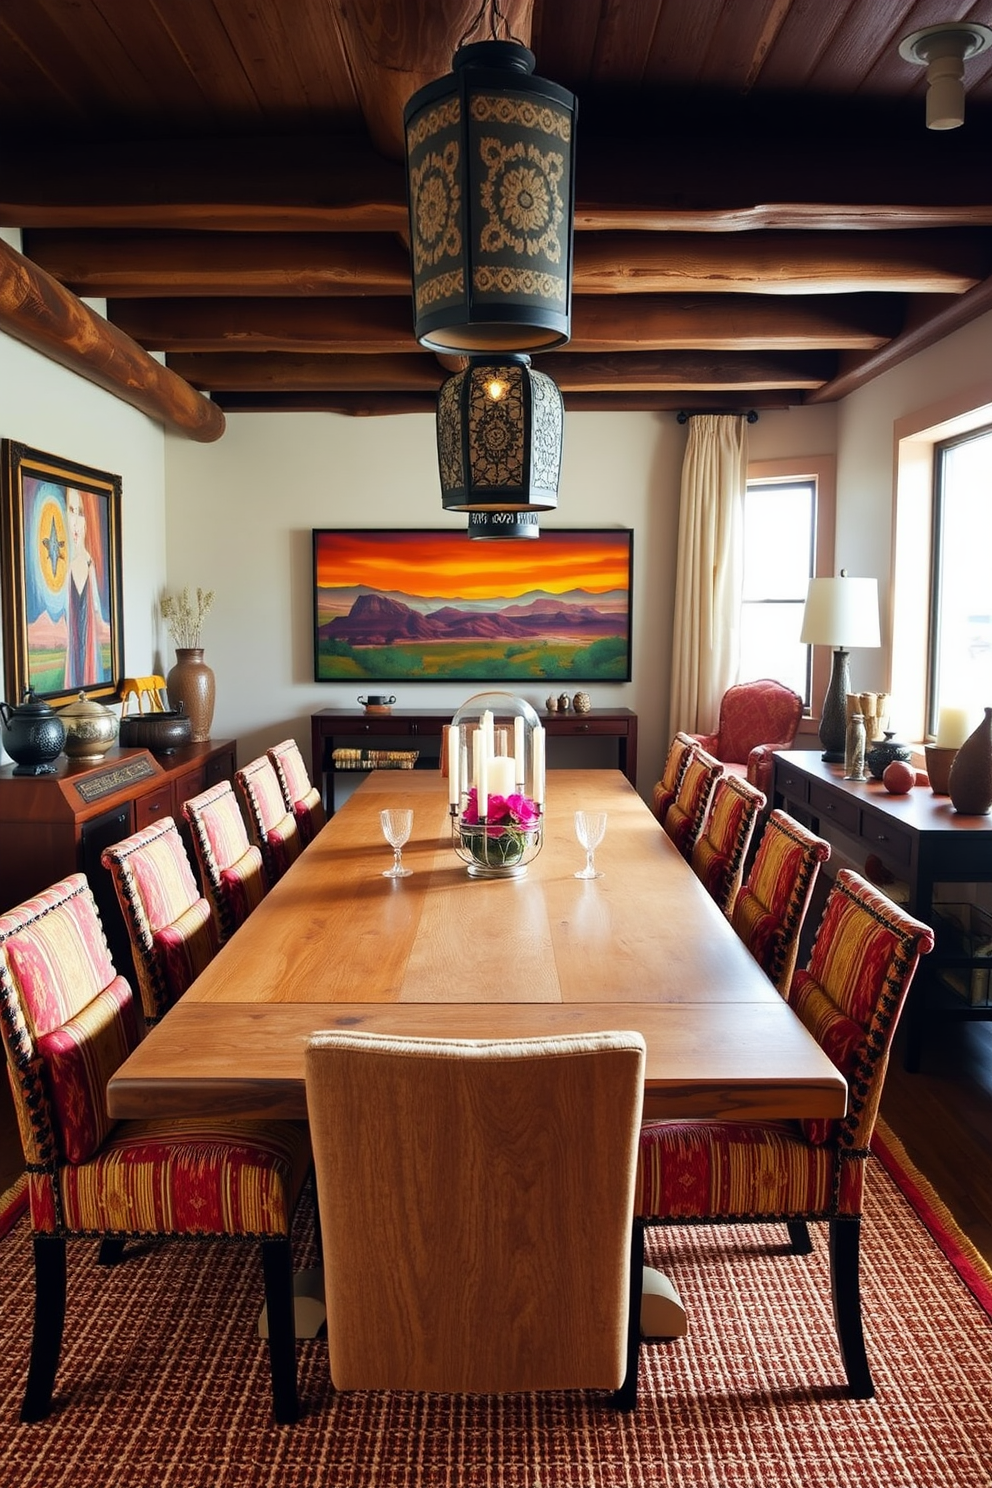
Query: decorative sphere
point(898, 777)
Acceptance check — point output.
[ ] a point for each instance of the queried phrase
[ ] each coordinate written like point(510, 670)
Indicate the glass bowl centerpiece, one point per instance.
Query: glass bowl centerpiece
point(495, 762)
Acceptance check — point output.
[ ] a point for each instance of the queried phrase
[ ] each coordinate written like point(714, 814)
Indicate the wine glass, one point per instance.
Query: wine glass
point(589, 828)
point(397, 823)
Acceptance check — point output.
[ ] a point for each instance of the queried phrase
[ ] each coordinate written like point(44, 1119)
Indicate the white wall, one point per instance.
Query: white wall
point(49, 408)
point(241, 511)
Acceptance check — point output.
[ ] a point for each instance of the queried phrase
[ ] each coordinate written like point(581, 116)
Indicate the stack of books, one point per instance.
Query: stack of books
point(375, 759)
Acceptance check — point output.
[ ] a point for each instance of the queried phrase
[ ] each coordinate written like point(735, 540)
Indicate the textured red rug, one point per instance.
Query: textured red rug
point(164, 1383)
point(12, 1205)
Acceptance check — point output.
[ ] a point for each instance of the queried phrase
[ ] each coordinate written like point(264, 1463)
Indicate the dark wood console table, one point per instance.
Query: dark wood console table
point(922, 841)
point(51, 825)
point(338, 726)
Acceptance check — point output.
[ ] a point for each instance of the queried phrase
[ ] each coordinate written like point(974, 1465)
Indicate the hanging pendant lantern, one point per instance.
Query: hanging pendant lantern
point(499, 437)
point(490, 177)
point(500, 525)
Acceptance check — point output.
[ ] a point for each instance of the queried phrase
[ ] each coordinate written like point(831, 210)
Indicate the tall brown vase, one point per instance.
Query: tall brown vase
point(969, 784)
point(191, 683)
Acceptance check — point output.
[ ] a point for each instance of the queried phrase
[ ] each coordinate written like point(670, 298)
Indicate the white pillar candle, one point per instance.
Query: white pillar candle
point(454, 782)
point(537, 763)
point(501, 770)
point(952, 728)
point(518, 753)
point(487, 733)
point(482, 777)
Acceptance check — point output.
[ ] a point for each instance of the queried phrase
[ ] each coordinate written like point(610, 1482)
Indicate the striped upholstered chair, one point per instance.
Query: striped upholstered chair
point(68, 1022)
point(770, 909)
point(302, 798)
point(686, 815)
point(732, 1172)
point(273, 825)
point(173, 935)
point(231, 867)
point(718, 856)
point(665, 790)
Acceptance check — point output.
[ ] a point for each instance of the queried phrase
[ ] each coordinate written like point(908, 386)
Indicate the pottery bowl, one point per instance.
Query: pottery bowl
point(159, 732)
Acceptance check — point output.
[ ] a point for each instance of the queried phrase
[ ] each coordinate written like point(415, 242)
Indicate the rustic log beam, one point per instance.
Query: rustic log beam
point(599, 323)
point(578, 372)
point(114, 265)
point(143, 265)
point(369, 405)
point(37, 310)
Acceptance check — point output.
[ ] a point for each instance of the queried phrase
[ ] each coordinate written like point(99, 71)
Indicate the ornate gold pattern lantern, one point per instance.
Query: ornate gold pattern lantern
point(499, 435)
point(490, 175)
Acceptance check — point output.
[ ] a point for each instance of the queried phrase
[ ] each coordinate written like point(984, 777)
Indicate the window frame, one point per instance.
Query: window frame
point(821, 471)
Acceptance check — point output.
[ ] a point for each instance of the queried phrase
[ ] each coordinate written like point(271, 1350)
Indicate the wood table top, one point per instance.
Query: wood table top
point(334, 944)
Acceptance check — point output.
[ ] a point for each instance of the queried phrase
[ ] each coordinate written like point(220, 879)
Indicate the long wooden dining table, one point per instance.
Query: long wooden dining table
point(334, 944)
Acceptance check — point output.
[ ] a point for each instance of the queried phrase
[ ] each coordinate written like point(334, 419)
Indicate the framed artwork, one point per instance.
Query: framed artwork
point(62, 605)
point(433, 606)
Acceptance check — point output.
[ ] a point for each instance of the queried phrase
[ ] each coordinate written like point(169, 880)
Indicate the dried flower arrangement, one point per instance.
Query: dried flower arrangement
point(184, 618)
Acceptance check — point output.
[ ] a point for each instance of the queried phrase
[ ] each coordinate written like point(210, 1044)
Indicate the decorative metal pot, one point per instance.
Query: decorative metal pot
point(90, 729)
point(33, 734)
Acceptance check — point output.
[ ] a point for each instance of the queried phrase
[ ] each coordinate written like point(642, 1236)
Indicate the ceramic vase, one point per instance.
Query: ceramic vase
point(969, 784)
point(191, 688)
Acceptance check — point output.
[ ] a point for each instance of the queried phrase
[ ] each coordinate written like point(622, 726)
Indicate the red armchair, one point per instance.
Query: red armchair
point(755, 719)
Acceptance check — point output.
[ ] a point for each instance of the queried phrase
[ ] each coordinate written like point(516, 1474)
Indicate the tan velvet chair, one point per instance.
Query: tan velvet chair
point(475, 1208)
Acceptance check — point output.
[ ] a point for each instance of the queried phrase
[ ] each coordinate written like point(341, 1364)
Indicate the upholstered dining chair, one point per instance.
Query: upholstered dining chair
point(686, 815)
point(721, 847)
point(666, 788)
point(507, 1166)
point(770, 909)
point(172, 932)
point(231, 868)
point(725, 1172)
point(300, 795)
point(68, 1021)
point(756, 718)
point(273, 826)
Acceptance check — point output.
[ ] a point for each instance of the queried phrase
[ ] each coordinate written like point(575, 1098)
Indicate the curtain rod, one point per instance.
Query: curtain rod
point(683, 416)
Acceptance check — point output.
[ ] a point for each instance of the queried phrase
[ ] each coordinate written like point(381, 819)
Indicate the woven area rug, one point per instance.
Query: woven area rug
point(12, 1205)
point(164, 1383)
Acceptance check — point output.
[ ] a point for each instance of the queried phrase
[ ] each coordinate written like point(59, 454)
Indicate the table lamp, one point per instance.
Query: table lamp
point(839, 612)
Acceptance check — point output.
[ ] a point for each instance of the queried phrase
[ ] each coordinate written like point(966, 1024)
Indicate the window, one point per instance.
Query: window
point(779, 557)
point(960, 673)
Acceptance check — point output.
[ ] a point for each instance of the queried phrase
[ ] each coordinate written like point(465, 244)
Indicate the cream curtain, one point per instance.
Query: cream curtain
point(706, 640)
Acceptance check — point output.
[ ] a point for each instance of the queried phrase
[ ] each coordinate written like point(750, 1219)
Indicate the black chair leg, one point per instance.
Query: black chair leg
point(845, 1249)
point(111, 1251)
point(277, 1268)
point(799, 1237)
point(49, 1321)
point(625, 1398)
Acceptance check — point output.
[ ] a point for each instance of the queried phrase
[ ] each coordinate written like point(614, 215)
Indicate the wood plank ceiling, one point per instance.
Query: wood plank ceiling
point(762, 218)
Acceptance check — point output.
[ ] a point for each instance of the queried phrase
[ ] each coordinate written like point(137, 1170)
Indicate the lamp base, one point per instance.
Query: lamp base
point(833, 718)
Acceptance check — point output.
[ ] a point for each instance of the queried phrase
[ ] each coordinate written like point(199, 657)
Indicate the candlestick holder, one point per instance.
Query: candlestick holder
point(496, 775)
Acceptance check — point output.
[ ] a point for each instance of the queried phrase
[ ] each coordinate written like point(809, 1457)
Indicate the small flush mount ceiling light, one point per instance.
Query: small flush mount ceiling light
point(490, 181)
point(943, 51)
point(499, 437)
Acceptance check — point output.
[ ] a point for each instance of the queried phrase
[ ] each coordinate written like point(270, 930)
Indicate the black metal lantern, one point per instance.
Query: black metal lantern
point(499, 525)
point(490, 178)
point(499, 437)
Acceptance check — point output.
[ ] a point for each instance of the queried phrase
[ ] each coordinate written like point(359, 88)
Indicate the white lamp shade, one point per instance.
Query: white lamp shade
point(841, 612)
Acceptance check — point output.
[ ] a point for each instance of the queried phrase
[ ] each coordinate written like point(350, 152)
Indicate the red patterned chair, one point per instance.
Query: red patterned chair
point(231, 867)
point(667, 787)
point(771, 906)
point(68, 1022)
point(729, 1172)
point(273, 825)
point(686, 815)
point(718, 856)
point(756, 718)
point(301, 797)
point(173, 935)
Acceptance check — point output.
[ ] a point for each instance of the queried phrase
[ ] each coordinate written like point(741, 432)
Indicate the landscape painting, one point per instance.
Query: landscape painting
point(433, 606)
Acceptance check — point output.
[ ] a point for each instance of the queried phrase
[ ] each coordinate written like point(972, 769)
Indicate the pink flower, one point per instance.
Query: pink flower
point(470, 811)
point(522, 810)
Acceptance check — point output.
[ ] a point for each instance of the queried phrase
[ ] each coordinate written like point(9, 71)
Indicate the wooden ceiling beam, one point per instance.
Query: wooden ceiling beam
point(356, 405)
point(599, 323)
point(370, 405)
point(37, 310)
point(578, 372)
point(146, 265)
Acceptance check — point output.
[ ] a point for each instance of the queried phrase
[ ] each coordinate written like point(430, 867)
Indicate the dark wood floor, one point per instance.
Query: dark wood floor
point(942, 1115)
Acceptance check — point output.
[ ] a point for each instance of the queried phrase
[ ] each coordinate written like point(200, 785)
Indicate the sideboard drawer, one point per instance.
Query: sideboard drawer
point(153, 806)
point(578, 723)
point(831, 805)
point(791, 784)
point(880, 834)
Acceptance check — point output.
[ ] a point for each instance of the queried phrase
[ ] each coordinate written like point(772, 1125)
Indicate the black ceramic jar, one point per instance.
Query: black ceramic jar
point(884, 751)
point(33, 734)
